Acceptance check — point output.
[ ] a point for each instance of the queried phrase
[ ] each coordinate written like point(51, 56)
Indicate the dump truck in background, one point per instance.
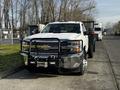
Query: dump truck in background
point(99, 31)
point(90, 27)
point(34, 29)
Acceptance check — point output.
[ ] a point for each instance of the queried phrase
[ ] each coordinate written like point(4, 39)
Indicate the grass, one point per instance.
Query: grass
point(9, 57)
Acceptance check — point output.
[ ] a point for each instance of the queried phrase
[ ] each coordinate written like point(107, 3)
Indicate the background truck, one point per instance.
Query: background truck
point(99, 31)
point(62, 45)
point(34, 29)
point(91, 35)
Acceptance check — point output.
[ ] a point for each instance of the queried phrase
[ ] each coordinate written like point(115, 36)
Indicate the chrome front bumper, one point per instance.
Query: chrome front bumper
point(67, 62)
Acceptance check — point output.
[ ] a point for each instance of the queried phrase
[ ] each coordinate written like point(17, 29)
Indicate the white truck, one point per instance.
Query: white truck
point(99, 31)
point(34, 29)
point(63, 45)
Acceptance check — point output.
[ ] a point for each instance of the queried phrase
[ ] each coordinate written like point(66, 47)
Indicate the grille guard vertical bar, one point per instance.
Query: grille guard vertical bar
point(21, 46)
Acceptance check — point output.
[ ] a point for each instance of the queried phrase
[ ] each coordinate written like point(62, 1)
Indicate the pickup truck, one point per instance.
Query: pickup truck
point(62, 45)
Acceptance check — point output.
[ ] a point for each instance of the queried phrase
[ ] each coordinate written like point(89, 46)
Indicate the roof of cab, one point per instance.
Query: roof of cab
point(75, 22)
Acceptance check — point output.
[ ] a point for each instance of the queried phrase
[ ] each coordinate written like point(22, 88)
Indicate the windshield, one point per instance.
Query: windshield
point(97, 29)
point(62, 28)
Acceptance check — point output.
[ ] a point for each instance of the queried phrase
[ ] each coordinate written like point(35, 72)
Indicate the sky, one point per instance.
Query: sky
point(108, 11)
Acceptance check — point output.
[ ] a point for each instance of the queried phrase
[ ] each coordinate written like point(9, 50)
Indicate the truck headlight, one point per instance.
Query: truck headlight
point(72, 47)
point(75, 50)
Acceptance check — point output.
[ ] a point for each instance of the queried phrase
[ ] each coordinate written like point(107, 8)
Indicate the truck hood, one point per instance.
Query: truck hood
point(69, 36)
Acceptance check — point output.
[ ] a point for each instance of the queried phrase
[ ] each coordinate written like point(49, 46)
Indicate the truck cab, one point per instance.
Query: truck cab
point(62, 45)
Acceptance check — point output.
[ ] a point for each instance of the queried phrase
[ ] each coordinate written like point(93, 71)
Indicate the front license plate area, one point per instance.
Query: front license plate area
point(42, 64)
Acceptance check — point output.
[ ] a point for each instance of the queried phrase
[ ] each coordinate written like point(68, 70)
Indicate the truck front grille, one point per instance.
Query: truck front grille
point(45, 46)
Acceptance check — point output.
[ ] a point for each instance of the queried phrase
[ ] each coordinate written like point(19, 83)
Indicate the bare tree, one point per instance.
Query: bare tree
point(12, 13)
point(19, 13)
point(6, 13)
point(34, 12)
point(1, 13)
point(75, 9)
point(116, 28)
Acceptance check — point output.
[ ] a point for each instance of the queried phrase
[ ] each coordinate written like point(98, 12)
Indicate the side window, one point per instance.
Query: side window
point(46, 29)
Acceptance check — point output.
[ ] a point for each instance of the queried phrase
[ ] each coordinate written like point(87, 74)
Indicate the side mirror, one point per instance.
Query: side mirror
point(86, 32)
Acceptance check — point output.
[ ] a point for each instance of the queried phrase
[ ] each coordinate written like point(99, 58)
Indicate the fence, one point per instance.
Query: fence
point(7, 37)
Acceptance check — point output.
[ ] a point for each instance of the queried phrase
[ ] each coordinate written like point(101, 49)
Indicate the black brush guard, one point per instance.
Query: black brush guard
point(35, 42)
point(53, 41)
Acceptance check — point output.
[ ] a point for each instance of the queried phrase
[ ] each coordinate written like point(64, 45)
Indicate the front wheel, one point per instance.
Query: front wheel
point(31, 67)
point(100, 40)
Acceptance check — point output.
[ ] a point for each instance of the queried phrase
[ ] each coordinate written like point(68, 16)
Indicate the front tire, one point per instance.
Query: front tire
point(31, 67)
point(100, 39)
